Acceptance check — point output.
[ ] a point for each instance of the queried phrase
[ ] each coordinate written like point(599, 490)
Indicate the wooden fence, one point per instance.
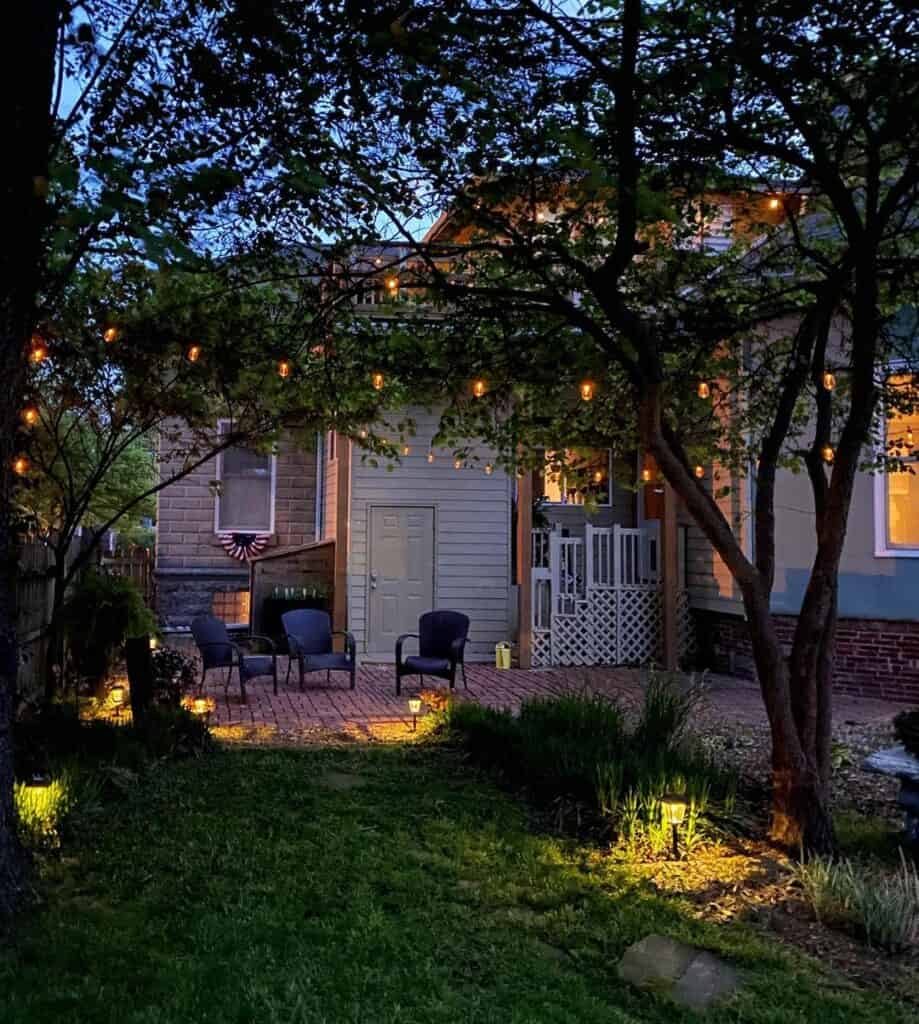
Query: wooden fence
point(35, 594)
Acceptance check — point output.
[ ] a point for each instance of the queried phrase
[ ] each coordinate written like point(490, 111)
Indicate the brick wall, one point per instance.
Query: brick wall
point(191, 564)
point(874, 658)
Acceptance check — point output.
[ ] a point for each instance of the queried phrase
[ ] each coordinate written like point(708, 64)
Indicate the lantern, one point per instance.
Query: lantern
point(283, 368)
point(827, 454)
point(29, 415)
point(829, 380)
point(377, 381)
point(414, 707)
point(489, 469)
point(193, 354)
point(21, 465)
point(703, 390)
point(38, 350)
point(673, 809)
point(479, 387)
point(587, 390)
point(699, 472)
point(110, 334)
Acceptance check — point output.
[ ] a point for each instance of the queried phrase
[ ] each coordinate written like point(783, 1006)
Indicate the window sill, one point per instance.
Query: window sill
point(896, 553)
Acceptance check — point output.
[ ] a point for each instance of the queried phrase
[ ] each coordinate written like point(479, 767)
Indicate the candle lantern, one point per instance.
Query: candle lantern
point(673, 809)
point(414, 707)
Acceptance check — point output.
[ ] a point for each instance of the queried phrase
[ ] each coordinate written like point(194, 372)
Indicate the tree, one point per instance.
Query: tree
point(580, 152)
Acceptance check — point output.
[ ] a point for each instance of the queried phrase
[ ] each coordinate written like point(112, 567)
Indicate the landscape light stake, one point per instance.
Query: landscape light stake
point(414, 706)
point(673, 806)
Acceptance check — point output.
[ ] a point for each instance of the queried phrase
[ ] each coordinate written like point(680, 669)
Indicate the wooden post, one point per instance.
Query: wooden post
point(342, 533)
point(670, 581)
point(525, 570)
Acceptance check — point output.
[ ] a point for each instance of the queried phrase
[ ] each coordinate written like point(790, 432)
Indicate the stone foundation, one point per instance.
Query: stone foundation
point(874, 657)
point(182, 594)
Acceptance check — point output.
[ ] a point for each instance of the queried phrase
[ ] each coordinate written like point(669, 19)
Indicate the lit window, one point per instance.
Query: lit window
point(902, 486)
point(246, 497)
point(231, 605)
point(582, 476)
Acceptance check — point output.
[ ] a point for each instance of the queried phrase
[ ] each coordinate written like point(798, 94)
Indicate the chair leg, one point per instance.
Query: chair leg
point(398, 681)
point(290, 665)
point(243, 699)
point(201, 682)
point(463, 668)
point(328, 677)
point(300, 667)
point(353, 671)
point(452, 676)
point(274, 676)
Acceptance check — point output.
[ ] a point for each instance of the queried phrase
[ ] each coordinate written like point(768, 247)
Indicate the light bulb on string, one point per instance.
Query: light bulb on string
point(38, 350)
point(646, 476)
point(21, 465)
point(457, 463)
point(430, 456)
point(587, 390)
point(377, 380)
point(406, 449)
point(110, 334)
point(699, 472)
point(489, 469)
point(479, 387)
point(193, 353)
point(283, 368)
point(703, 390)
point(829, 380)
point(29, 415)
point(828, 454)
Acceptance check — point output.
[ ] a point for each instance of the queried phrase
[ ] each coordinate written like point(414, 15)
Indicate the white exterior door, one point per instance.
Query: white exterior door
point(401, 578)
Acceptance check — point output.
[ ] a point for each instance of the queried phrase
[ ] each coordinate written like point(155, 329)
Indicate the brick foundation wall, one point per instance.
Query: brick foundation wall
point(874, 657)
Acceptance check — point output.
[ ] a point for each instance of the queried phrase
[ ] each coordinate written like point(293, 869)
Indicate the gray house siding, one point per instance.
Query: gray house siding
point(472, 534)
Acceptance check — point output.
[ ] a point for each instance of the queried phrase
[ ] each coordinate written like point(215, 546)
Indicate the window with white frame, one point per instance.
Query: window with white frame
point(579, 476)
point(897, 491)
point(245, 497)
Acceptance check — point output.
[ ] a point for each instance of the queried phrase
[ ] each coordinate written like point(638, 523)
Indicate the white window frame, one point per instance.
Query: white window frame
point(882, 547)
point(564, 489)
point(221, 530)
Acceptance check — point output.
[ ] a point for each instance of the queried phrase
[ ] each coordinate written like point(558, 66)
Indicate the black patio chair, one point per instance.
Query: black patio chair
point(309, 639)
point(441, 640)
point(218, 651)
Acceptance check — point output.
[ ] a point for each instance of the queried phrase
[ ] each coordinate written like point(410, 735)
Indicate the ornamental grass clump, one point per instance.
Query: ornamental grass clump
point(41, 805)
point(882, 907)
point(587, 749)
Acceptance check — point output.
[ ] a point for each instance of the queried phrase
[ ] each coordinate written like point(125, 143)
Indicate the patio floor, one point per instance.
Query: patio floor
point(324, 712)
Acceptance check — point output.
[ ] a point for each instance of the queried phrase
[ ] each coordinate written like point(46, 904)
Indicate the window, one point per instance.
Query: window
point(245, 501)
point(897, 491)
point(231, 605)
point(582, 475)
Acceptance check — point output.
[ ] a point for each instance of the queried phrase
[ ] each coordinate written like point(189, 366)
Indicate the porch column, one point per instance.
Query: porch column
point(342, 533)
point(670, 581)
point(524, 570)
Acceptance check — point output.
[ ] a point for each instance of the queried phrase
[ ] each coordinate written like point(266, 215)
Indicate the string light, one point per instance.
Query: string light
point(646, 476)
point(479, 387)
point(30, 415)
point(430, 456)
point(38, 350)
point(283, 368)
point(406, 449)
point(699, 471)
point(703, 390)
point(363, 433)
point(489, 469)
point(110, 334)
point(829, 380)
point(377, 381)
point(587, 390)
point(392, 284)
point(21, 465)
point(827, 454)
point(194, 353)
point(598, 477)
point(775, 203)
point(457, 463)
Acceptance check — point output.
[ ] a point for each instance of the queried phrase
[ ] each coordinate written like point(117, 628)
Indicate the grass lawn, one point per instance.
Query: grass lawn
point(265, 886)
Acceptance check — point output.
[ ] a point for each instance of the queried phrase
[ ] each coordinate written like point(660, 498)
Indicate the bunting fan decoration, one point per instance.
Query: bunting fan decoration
point(243, 546)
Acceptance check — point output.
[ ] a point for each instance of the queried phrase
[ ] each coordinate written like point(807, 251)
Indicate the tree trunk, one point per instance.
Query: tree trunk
point(32, 30)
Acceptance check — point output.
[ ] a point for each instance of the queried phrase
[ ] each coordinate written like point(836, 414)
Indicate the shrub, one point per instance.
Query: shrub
point(883, 907)
point(581, 746)
point(100, 613)
point(174, 675)
point(41, 804)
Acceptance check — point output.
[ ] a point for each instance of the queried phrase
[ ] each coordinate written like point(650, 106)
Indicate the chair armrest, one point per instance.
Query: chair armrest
point(399, 642)
point(350, 642)
point(234, 649)
point(457, 649)
point(258, 636)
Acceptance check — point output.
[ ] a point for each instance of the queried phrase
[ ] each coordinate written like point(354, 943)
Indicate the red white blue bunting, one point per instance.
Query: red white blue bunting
point(243, 546)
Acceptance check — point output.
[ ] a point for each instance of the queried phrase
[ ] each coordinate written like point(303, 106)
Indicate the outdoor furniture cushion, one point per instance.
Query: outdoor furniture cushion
point(426, 666)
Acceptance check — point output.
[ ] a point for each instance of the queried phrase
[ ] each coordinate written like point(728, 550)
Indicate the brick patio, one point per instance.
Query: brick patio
point(372, 710)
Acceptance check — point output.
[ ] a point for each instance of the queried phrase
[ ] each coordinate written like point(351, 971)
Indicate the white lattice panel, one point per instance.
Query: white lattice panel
point(572, 640)
point(685, 626)
point(639, 624)
point(542, 648)
point(603, 624)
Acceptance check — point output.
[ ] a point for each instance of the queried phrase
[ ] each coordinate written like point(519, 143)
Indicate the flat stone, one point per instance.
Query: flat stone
point(692, 977)
point(342, 781)
point(895, 761)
